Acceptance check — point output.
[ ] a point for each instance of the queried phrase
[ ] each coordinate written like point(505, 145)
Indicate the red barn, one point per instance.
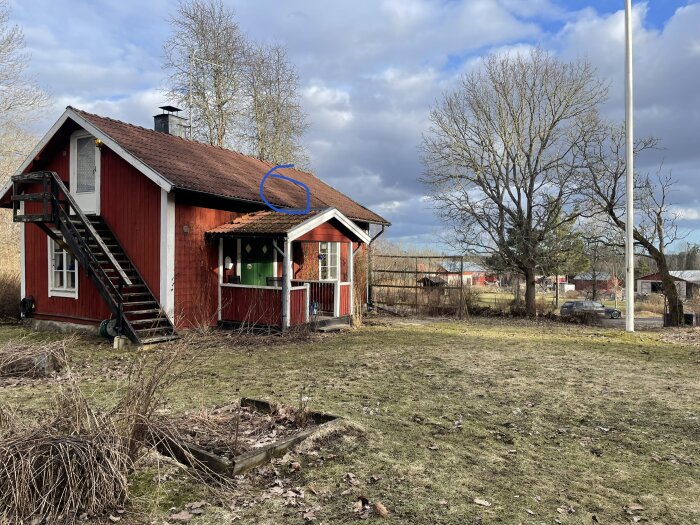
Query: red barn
point(157, 232)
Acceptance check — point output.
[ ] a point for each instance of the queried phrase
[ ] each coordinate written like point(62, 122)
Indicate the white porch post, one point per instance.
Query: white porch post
point(307, 302)
point(351, 276)
point(336, 297)
point(286, 283)
point(221, 274)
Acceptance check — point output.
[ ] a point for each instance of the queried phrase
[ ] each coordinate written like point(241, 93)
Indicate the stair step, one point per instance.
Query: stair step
point(137, 303)
point(128, 271)
point(119, 257)
point(159, 339)
point(164, 331)
point(135, 280)
point(152, 321)
point(144, 312)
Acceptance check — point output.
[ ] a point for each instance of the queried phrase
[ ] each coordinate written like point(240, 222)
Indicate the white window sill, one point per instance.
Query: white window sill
point(63, 293)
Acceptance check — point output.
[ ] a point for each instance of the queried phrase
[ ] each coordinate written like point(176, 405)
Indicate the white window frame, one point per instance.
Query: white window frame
point(73, 176)
point(336, 261)
point(71, 293)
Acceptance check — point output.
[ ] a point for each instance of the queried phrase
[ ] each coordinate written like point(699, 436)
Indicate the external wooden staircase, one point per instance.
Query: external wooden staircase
point(47, 201)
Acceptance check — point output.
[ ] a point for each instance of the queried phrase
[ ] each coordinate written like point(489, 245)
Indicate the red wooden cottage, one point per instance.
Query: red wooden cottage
point(158, 233)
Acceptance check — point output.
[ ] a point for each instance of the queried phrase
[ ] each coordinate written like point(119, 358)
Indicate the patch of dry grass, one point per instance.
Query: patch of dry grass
point(544, 421)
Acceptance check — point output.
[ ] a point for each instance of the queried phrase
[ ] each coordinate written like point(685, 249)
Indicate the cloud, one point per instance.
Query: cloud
point(688, 214)
point(370, 71)
point(666, 75)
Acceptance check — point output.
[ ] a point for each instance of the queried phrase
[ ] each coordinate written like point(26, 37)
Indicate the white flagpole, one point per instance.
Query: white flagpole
point(629, 147)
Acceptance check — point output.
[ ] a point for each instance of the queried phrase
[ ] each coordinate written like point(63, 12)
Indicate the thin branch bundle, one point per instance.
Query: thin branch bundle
point(28, 358)
point(58, 478)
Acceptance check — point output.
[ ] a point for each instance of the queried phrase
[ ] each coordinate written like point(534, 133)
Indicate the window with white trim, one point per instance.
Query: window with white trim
point(328, 260)
point(63, 272)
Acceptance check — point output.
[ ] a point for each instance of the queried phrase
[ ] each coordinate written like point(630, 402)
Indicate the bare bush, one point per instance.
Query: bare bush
point(9, 295)
point(28, 358)
point(75, 461)
point(59, 478)
point(71, 463)
point(654, 303)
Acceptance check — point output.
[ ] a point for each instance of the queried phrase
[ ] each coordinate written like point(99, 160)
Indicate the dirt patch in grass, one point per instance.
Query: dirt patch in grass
point(230, 430)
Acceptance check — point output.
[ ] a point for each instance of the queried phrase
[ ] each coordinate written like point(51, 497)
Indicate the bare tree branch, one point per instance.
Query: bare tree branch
point(244, 95)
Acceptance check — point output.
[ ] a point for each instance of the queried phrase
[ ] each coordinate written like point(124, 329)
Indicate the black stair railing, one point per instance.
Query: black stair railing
point(78, 234)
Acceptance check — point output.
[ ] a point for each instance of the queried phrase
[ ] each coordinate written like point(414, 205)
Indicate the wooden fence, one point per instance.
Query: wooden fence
point(428, 285)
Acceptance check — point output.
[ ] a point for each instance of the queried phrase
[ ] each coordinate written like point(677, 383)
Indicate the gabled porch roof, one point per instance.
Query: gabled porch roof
point(271, 223)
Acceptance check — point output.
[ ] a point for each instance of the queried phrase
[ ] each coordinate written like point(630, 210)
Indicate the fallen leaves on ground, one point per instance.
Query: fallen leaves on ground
point(380, 510)
point(182, 516)
point(482, 502)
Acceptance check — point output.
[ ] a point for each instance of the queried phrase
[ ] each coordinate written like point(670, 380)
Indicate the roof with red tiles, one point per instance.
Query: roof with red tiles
point(263, 222)
point(192, 165)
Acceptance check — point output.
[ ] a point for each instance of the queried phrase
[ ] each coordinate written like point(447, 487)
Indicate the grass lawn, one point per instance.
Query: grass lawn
point(543, 421)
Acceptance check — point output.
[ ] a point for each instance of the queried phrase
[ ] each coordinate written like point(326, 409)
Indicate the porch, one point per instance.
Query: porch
point(279, 270)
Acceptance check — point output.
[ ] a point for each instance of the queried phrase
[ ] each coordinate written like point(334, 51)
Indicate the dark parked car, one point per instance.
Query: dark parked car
point(574, 308)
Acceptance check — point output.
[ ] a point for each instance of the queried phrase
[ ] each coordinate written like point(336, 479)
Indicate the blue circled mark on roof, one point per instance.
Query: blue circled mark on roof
point(288, 211)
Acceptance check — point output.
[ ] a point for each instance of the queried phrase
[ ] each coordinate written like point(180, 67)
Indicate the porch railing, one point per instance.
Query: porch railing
point(262, 305)
point(331, 297)
point(344, 299)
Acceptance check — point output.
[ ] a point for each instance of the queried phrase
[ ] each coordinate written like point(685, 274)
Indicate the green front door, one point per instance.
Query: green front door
point(257, 256)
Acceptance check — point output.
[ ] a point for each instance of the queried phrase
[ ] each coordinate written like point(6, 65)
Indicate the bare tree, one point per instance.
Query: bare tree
point(275, 120)
point(206, 58)
point(501, 159)
point(20, 101)
point(656, 221)
point(602, 250)
point(243, 95)
point(19, 94)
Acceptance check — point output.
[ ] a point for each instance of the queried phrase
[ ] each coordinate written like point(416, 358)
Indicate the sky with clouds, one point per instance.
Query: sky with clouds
point(370, 71)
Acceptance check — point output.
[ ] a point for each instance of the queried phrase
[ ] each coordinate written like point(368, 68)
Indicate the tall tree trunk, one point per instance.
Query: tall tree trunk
point(675, 303)
point(530, 302)
point(594, 289)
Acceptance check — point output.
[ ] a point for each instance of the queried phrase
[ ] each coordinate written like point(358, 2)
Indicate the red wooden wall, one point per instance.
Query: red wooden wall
point(196, 265)
point(345, 299)
point(328, 231)
point(262, 306)
point(89, 308)
point(130, 203)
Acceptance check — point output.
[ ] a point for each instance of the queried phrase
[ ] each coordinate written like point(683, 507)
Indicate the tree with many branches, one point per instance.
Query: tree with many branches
point(501, 158)
point(206, 56)
point(20, 101)
point(274, 119)
point(241, 94)
point(656, 221)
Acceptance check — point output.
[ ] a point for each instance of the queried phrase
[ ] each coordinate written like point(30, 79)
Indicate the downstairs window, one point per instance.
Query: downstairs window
point(63, 272)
